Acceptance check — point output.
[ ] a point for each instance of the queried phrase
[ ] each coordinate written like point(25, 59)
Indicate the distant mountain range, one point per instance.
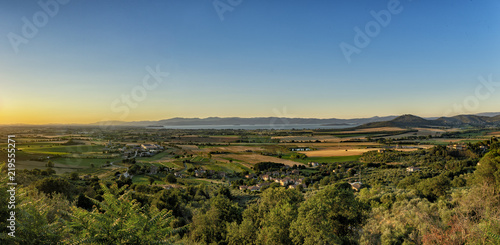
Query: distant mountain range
point(491, 118)
point(215, 121)
point(455, 121)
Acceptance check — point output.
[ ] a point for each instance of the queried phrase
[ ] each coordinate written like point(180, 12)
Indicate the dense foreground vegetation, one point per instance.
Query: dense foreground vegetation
point(439, 195)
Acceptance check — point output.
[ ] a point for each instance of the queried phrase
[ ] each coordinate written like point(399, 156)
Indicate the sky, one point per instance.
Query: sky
point(75, 61)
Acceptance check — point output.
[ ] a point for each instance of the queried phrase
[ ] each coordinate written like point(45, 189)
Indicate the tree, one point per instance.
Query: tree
point(488, 170)
point(84, 202)
point(434, 187)
point(172, 199)
point(50, 171)
point(332, 216)
point(39, 218)
point(73, 176)
point(268, 221)
point(49, 164)
point(121, 220)
point(55, 185)
point(210, 226)
point(171, 178)
point(224, 191)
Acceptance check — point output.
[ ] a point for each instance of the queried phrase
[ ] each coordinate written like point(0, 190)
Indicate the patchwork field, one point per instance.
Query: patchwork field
point(337, 153)
point(496, 134)
point(256, 158)
point(228, 153)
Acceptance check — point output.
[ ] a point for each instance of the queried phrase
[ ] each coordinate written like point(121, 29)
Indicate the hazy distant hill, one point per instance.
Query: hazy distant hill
point(402, 121)
point(455, 121)
point(387, 121)
point(247, 121)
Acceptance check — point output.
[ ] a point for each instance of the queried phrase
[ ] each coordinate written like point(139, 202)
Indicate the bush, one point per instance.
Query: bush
point(171, 178)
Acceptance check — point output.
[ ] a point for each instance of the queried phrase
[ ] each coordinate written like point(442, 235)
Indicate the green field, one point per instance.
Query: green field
point(84, 162)
point(143, 179)
point(155, 157)
point(323, 159)
point(61, 150)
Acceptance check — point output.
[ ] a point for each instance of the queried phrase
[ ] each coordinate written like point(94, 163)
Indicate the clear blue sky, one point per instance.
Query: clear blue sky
point(266, 58)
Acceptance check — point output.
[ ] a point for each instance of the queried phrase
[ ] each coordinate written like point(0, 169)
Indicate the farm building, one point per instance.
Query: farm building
point(412, 169)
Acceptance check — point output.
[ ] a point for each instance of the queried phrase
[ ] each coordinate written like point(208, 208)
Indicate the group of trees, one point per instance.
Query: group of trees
point(282, 216)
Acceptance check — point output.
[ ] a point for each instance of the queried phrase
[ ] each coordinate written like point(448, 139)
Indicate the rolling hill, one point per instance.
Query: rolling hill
point(247, 121)
point(406, 121)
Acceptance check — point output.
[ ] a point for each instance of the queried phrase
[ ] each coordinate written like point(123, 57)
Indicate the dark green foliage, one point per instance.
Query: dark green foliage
point(459, 182)
point(151, 180)
point(210, 226)
point(172, 199)
point(122, 181)
point(84, 202)
point(224, 191)
point(264, 166)
point(268, 221)
point(73, 176)
point(122, 221)
point(39, 218)
point(4, 210)
point(55, 185)
point(434, 187)
point(171, 178)
point(488, 170)
point(332, 216)
point(49, 164)
point(147, 188)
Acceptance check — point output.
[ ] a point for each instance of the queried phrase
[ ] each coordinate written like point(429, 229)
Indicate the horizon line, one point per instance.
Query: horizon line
point(201, 118)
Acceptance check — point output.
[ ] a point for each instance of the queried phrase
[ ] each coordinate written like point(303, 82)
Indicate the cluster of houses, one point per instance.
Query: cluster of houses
point(290, 182)
point(412, 169)
point(256, 187)
point(209, 173)
point(458, 147)
point(461, 147)
point(202, 173)
point(150, 170)
point(300, 149)
point(142, 150)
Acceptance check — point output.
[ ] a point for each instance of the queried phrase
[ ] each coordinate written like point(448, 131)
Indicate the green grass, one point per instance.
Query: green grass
point(324, 159)
point(199, 159)
point(190, 181)
point(236, 165)
point(61, 150)
point(155, 157)
point(143, 179)
point(335, 159)
point(171, 165)
point(140, 179)
point(211, 164)
point(175, 164)
point(85, 162)
point(226, 167)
